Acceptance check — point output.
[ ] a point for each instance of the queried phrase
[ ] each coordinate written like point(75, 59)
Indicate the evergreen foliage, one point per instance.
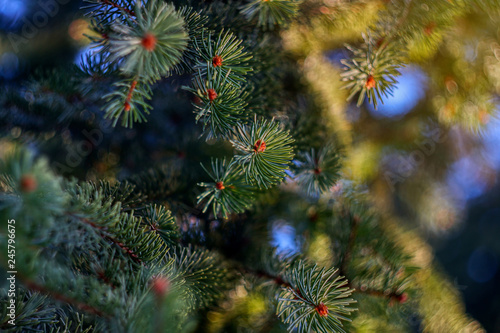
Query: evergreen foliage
point(317, 171)
point(228, 193)
point(247, 139)
point(270, 13)
point(264, 152)
point(371, 72)
point(315, 301)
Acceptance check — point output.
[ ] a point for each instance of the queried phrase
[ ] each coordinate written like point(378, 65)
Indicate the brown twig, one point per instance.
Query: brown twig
point(350, 245)
point(105, 235)
point(60, 297)
point(126, 104)
point(114, 5)
point(276, 279)
point(373, 292)
point(393, 296)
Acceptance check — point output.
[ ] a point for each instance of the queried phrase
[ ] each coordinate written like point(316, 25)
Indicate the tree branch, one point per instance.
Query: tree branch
point(115, 5)
point(106, 236)
point(80, 305)
point(350, 245)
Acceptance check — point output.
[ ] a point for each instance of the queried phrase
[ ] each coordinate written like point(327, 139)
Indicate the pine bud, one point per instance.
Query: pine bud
point(160, 285)
point(148, 42)
point(484, 117)
point(211, 94)
point(370, 82)
point(259, 146)
point(220, 185)
point(126, 106)
point(217, 61)
point(28, 183)
point(429, 28)
point(322, 309)
point(402, 298)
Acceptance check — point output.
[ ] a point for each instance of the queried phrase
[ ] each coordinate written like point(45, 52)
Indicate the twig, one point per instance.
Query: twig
point(115, 5)
point(82, 306)
point(106, 235)
point(350, 245)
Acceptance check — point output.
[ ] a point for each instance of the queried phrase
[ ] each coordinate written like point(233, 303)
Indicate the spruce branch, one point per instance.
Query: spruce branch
point(103, 231)
point(317, 301)
point(371, 71)
point(105, 11)
point(195, 26)
point(264, 151)
point(123, 192)
point(112, 250)
point(385, 271)
point(279, 280)
point(220, 104)
point(150, 48)
point(228, 193)
point(270, 13)
point(317, 171)
point(29, 185)
point(204, 273)
point(161, 221)
point(128, 102)
point(127, 231)
point(32, 309)
point(144, 49)
point(46, 275)
point(117, 6)
point(95, 67)
point(391, 296)
point(158, 183)
point(63, 298)
point(225, 54)
point(350, 244)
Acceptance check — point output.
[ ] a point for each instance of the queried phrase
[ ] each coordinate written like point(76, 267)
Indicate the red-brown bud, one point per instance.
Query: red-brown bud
point(211, 94)
point(217, 61)
point(259, 146)
point(322, 309)
point(370, 82)
point(149, 41)
point(28, 183)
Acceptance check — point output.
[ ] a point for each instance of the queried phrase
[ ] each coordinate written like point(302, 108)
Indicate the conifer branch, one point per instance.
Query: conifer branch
point(317, 301)
point(391, 296)
point(228, 193)
point(271, 13)
point(107, 236)
point(126, 104)
point(223, 53)
point(63, 298)
point(104, 11)
point(264, 151)
point(113, 250)
point(117, 6)
point(220, 104)
point(371, 71)
point(280, 280)
point(317, 170)
point(404, 16)
point(350, 244)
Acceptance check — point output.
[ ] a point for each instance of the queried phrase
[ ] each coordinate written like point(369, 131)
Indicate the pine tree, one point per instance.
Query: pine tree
point(228, 124)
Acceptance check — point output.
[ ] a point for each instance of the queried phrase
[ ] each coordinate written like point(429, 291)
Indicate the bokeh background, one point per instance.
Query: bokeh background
point(450, 193)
